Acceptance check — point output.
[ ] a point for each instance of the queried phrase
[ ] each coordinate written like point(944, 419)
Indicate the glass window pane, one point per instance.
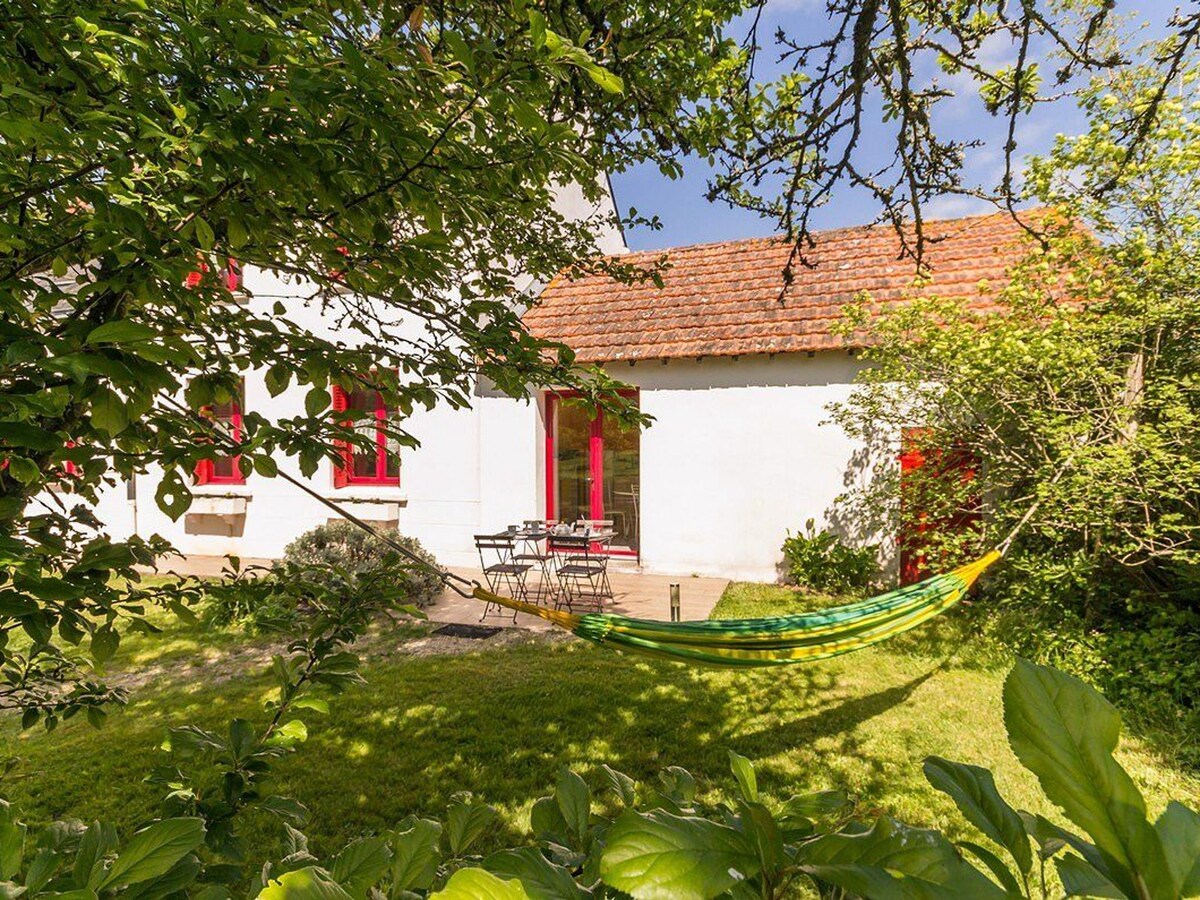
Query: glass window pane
point(622, 463)
point(225, 418)
point(368, 464)
point(572, 435)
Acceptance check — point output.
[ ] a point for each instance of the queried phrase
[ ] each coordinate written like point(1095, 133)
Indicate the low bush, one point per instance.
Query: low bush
point(822, 561)
point(1139, 644)
point(346, 546)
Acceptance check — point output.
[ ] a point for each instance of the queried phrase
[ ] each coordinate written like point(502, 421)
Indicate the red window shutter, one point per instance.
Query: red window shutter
point(341, 473)
point(204, 470)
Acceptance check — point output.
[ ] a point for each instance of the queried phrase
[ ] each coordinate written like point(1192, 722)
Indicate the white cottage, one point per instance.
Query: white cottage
point(736, 371)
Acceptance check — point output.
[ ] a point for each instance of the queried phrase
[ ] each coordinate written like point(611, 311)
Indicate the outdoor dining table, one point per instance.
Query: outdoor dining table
point(572, 566)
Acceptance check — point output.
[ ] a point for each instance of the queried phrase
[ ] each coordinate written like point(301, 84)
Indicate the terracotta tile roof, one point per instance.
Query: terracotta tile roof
point(723, 299)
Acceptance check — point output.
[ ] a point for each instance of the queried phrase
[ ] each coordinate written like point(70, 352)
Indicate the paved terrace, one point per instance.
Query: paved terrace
point(635, 593)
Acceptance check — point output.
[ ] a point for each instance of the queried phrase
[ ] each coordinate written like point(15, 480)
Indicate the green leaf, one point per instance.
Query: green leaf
point(24, 470)
point(478, 884)
point(660, 855)
point(308, 883)
point(1007, 879)
point(973, 791)
point(173, 496)
point(1080, 879)
point(621, 784)
point(236, 232)
point(289, 734)
point(678, 785)
point(59, 266)
point(415, 856)
point(316, 401)
point(574, 800)
point(1064, 732)
point(546, 820)
point(764, 832)
point(97, 842)
point(45, 863)
point(109, 412)
point(537, 28)
point(360, 864)
point(121, 331)
point(1179, 830)
point(896, 862)
point(105, 641)
point(287, 808)
point(277, 379)
point(743, 771)
point(204, 233)
point(542, 879)
point(182, 874)
point(12, 842)
point(466, 820)
point(1049, 837)
point(154, 851)
point(22, 434)
point(608, 81)
point(817, 803)
point(266, 466)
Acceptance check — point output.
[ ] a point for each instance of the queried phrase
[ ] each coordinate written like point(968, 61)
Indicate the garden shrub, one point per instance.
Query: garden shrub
point(346, 546)
point(822, 561)
point(333, 560)
point(1138, 644)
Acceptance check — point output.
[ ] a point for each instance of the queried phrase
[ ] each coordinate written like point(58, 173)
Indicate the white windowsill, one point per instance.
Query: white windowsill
point(367, 493)
point(222, 490)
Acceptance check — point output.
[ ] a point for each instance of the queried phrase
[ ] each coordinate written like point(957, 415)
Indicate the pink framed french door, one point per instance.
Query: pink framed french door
point(593, 468)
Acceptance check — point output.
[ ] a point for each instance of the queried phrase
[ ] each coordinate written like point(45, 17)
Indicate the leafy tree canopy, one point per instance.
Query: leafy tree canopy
point(1077, 405)
point(354, 149)
point(870, 97)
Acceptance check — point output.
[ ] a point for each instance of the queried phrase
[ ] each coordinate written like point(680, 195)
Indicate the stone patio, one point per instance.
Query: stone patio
point(635, 593)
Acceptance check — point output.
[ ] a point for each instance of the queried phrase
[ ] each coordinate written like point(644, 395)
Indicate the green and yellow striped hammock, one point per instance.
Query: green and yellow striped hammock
point(773, 641)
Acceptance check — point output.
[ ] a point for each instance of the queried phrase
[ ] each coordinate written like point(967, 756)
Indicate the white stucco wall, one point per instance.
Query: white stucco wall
point(740, 452)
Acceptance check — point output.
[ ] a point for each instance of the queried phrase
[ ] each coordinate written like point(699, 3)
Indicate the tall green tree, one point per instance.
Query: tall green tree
point(398, 162)
point(1077, 401)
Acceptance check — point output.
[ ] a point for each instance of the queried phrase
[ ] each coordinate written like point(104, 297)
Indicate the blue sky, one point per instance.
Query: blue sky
point(688, 218)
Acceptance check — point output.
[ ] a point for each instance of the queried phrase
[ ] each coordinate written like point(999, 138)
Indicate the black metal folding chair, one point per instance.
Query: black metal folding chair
point(533, 548)
point(504, 573)
point(582, 569)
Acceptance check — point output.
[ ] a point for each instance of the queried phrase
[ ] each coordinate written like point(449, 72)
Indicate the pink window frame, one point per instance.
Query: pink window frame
point(595, 462)
point(344, 474)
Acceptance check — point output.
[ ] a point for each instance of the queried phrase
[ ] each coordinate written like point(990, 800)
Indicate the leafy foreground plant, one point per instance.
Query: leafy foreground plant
point(649, 842)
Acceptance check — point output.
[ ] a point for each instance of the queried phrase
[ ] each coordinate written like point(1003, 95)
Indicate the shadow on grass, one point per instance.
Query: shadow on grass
point(501, 722)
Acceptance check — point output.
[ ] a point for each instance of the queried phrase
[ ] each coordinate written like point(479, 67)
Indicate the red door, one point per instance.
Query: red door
point(921, 469)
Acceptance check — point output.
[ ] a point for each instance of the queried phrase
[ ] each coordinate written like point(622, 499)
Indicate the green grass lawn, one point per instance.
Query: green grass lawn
point(499, 723)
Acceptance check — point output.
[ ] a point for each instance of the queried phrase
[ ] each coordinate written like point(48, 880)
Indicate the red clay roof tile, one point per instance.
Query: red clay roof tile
point(724, 299)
